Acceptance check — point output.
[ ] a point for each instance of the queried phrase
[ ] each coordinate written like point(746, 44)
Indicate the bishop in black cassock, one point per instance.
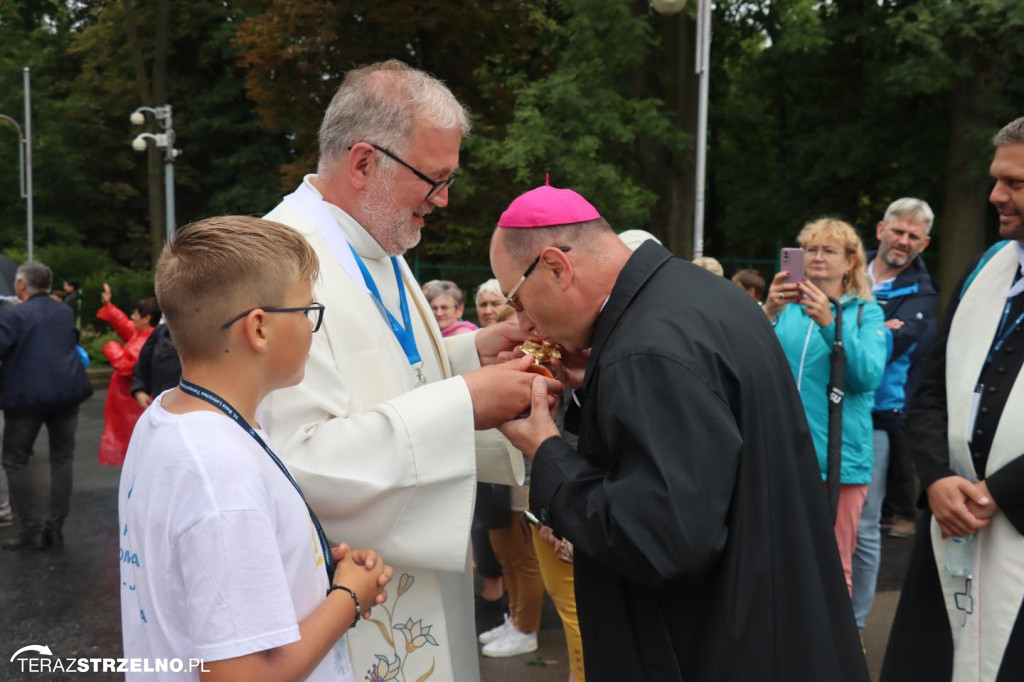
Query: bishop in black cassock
point(703, 542)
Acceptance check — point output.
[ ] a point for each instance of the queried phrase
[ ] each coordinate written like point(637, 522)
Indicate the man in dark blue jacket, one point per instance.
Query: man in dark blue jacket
point(42, 381)
point(907, 294)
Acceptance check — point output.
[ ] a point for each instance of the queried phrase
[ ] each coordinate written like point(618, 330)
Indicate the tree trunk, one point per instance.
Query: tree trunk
point(961, 225)
point(672, 174)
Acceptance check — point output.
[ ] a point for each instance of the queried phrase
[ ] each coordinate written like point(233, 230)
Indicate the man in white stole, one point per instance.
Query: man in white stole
point(960, 614)
point(380, 433)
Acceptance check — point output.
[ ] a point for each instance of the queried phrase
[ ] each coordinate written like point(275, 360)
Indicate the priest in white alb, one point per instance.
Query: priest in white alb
point(961, 611)
point(389, 431)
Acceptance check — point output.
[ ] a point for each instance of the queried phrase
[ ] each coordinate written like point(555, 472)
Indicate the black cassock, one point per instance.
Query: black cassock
point(703, 545)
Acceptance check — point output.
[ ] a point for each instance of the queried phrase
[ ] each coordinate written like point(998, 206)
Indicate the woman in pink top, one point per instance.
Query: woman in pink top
point(448, 303)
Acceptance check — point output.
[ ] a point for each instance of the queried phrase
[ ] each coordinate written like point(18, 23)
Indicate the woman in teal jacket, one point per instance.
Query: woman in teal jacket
point(804, 321)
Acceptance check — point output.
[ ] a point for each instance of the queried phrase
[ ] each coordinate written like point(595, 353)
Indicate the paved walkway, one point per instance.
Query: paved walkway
point(69, 599)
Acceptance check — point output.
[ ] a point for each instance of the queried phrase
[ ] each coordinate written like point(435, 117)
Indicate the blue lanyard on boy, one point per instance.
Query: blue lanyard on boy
point(225, 407)
point(403, 331)
point(1000, 334)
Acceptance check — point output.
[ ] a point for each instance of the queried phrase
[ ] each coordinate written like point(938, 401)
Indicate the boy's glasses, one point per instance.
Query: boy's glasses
point(317, 308)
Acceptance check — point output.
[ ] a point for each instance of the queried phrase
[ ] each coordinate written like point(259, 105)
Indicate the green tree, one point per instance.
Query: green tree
point(36, 34)
point(964, 57)
point(89, 182)
point(552, 88)
point(840, 107)
point(296, 54)
point(584, 121)
point(229, 164)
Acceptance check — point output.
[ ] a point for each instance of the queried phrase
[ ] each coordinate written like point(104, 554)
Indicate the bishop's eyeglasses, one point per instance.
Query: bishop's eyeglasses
point(513, 302)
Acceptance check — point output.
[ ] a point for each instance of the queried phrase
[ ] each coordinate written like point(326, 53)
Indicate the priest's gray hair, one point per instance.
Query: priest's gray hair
point(37, 277)
point(1011, 133)
point(380, 104)
point(913, 207)
point(524, 244)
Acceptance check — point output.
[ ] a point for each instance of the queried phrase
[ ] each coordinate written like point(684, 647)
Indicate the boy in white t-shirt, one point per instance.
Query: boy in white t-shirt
point(221, 559)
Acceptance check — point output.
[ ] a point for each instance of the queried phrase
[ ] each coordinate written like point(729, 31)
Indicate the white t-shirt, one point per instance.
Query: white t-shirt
point(218, 555)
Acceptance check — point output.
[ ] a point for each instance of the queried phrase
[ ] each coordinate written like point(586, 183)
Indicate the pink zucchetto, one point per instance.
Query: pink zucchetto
point(546, 206)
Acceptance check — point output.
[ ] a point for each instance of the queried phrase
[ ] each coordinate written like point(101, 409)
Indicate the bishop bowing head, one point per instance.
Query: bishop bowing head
point(556, 260)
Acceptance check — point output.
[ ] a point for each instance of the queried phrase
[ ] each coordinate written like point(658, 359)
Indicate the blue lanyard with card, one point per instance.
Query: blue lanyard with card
point(402, 330)
point(1001, 335)
point(225, 407)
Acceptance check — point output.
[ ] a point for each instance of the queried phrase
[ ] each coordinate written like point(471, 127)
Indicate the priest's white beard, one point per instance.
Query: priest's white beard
point(392, 226)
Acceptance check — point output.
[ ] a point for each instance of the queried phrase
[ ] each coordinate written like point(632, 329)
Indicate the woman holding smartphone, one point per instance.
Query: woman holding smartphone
point(798, 306)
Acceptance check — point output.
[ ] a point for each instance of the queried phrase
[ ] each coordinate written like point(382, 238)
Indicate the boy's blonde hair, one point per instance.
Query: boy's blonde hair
point(842, 234)
point(216, 268)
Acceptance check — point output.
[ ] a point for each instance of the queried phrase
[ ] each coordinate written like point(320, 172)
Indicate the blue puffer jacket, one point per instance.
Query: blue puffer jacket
point(808, 348)
point(910, 298)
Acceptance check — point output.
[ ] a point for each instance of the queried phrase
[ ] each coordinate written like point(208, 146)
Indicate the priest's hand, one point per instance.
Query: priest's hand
point(983, 511)
point(502, 392)
point(498, 338)
point(947, 498)
point(527, 434)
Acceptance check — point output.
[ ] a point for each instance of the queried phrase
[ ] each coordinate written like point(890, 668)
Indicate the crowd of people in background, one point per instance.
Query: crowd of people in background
point(45, 388)
point(684, 427)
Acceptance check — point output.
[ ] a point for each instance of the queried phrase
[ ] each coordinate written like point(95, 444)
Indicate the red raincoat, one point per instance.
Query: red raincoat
point(122, 410)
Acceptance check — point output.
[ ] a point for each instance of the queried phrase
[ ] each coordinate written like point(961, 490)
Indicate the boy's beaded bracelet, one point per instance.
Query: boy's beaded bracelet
point(352, 593)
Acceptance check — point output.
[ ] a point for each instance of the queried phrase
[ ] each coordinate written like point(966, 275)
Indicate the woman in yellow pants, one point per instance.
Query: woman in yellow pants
point(558, 581)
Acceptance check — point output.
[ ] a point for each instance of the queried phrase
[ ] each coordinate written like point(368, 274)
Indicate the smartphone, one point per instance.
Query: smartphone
point(792, 261)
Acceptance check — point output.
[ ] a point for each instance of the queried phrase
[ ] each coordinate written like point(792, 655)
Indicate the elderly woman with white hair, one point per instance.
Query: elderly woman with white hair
point(490, 304)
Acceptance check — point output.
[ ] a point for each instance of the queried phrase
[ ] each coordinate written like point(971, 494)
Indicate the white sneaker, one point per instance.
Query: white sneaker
point(496, 632)
point(512, 643)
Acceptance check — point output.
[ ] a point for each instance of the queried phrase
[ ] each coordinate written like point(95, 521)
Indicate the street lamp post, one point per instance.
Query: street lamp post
point(165, 141)
point(703, 69)
point(25, 164)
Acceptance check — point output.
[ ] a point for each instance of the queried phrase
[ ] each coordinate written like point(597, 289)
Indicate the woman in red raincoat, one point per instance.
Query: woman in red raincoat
point(122, 410)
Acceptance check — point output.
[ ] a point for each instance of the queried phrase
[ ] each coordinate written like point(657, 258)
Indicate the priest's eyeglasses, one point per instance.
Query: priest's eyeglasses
point(435, 185)
point(314, 313)
point(511, 301)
